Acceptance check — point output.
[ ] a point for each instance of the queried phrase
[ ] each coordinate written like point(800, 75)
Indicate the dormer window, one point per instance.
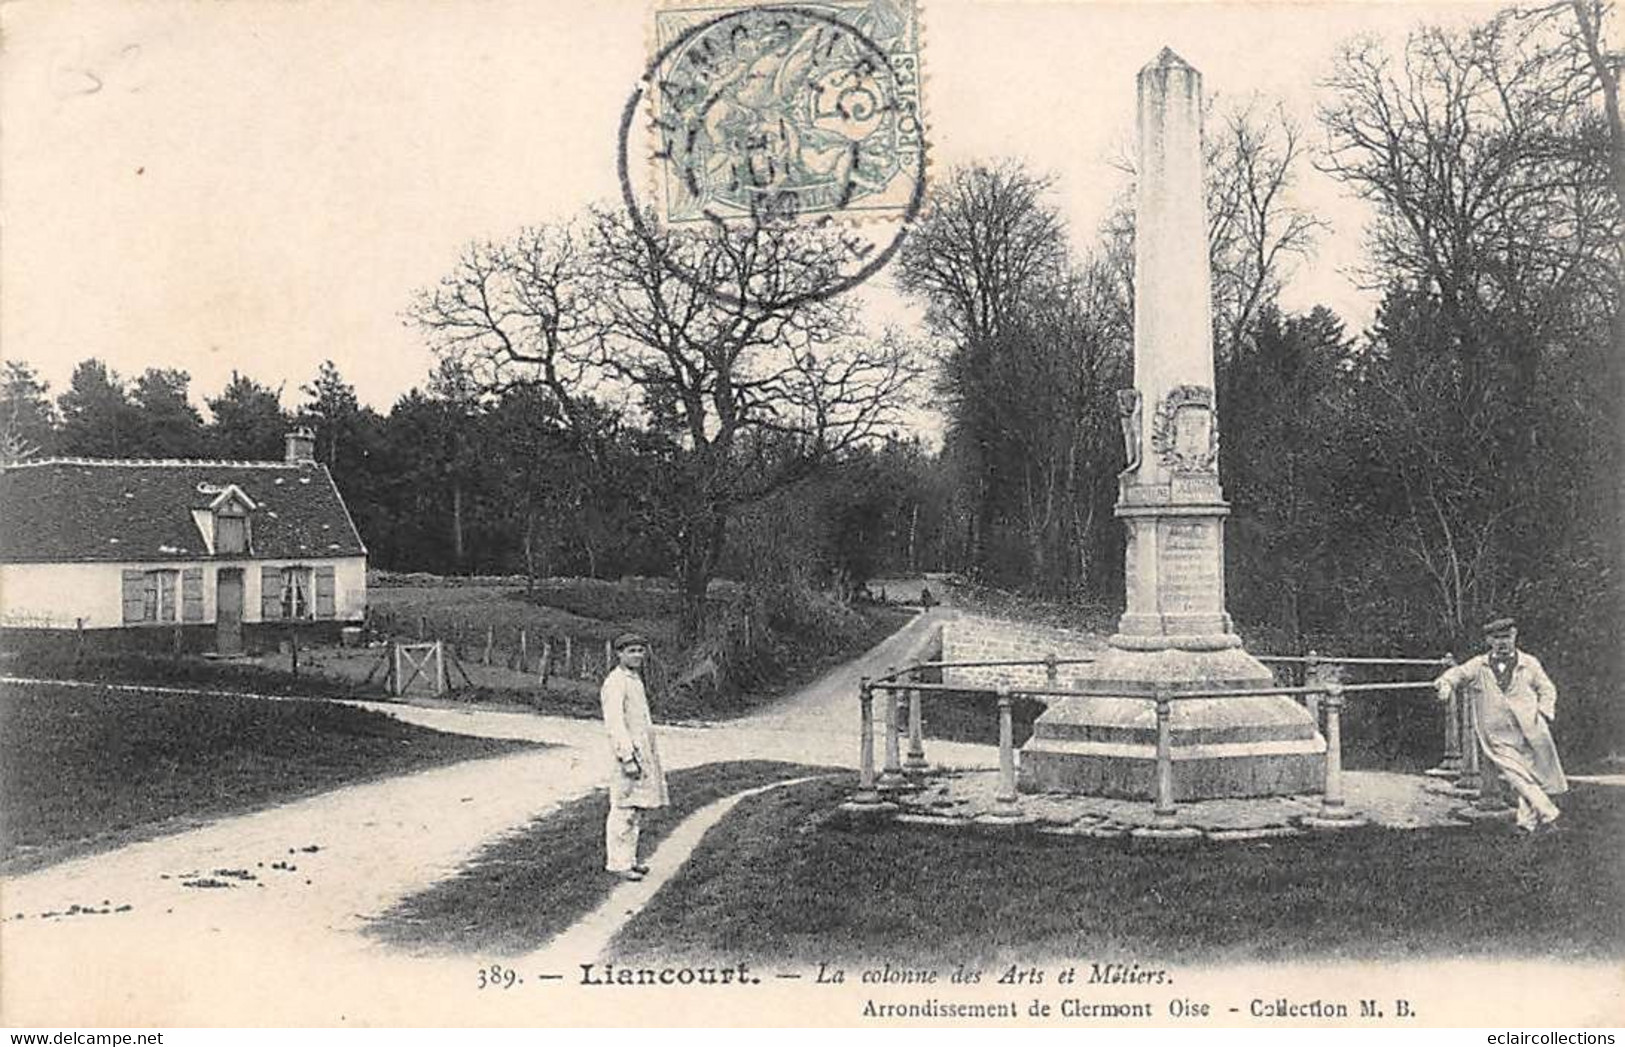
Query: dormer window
point(225, 523)
point(230, 531)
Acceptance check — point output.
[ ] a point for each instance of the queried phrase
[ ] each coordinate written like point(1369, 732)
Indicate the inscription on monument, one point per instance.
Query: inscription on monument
point(1190, 569)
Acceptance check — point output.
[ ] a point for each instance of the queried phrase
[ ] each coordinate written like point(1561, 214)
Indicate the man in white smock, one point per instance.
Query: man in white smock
point(1514, 701)
point(637, 782)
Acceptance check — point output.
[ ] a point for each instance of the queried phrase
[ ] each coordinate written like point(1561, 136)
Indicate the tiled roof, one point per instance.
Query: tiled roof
point(88, 509)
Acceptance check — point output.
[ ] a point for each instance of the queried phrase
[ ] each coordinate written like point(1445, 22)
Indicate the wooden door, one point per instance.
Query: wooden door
point(228, 610)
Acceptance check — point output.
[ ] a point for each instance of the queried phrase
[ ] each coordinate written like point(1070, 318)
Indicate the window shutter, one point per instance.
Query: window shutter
point(270, 593)
point(192, 594)
point(325, 585)
point(135, 596)
point(165, 585)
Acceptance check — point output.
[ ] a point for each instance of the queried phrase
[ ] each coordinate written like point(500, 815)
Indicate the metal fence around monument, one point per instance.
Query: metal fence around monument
point(1325, 698)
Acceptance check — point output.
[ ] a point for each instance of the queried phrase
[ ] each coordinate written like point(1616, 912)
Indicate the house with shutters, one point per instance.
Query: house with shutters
point(214, 555)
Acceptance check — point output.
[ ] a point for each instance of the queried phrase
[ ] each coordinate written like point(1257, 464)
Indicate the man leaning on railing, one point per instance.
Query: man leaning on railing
point(1514, 702)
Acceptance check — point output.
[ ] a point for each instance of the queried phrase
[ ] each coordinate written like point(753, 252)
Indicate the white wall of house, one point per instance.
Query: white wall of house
point(57, 595)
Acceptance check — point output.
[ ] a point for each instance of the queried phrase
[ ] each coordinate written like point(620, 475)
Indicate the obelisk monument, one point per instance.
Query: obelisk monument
point(1175, 634)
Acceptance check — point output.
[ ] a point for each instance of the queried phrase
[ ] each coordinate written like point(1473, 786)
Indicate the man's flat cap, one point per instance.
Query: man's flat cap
point(1497, 626)
point(630, 640)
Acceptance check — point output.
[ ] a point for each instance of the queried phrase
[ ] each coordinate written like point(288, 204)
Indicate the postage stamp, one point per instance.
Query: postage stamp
point(792, 112)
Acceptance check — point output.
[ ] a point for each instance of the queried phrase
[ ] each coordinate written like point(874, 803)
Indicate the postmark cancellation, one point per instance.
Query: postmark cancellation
point(795, 112)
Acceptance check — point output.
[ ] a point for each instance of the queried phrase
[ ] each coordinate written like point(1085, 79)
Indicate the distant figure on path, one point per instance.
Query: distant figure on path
point(1514, 701)
point(637, 782)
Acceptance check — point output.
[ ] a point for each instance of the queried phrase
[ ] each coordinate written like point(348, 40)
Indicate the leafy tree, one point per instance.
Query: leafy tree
point(98, 417)
point(27, 419)
point(249, 422)
point(349, 443)
point(166, 423)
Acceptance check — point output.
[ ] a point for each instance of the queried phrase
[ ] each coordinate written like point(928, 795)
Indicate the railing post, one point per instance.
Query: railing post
point(915, 764)
point(1333, 814)
point(1311, 675)
point(1450, 765)
point(866, 798)
point(892, 775)
point(1006, 802)
point(1469, 781)
point(1050, 673)
point(1165, 814)
point(1491, 801)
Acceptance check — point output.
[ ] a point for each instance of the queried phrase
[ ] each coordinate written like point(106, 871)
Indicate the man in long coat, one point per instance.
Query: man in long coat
point(636, 782)
point(1513, 703)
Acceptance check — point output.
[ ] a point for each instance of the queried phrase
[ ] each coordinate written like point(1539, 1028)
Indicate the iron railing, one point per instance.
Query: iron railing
point(1325, 694)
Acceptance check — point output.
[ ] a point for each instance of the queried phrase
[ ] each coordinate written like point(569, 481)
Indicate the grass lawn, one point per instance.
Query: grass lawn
point(524, 889)
point(786, 879)
point(89, 769)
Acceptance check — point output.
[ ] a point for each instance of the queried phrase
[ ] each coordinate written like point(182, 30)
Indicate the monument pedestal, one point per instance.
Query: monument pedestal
point(1220, 747)
point(1175, 637)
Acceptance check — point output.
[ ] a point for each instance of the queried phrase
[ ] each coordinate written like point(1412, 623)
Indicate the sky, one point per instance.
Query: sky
point(258, 186)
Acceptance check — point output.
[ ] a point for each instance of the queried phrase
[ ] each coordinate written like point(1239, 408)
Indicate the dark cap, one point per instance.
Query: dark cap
point(630, 640)
point(1498, 626)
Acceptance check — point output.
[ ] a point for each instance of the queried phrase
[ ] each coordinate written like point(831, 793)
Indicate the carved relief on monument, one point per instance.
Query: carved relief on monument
point(1184, 432)
point(1128, 413)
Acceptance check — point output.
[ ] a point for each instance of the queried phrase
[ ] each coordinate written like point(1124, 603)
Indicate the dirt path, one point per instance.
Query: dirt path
point(277, 944)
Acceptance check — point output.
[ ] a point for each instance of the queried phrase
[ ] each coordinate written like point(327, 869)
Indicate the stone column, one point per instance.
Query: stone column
point(1170, 499)
point(1175, 634)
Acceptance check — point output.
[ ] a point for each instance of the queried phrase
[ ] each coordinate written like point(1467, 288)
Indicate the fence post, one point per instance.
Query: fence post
point(1051, 671)
point(1333, 814)
point(892, 775)
point(1469, 781)
point(1450, 766)
point(866, 798)
point(1007, 801)
point(915, 764)
point(1491, 801)
point(569, 656)
point(1311, 675)
point(524, 650)
point(440, 667)
point(423, 627)
point(490, 642)
point(546, 667)
point(1165, 812)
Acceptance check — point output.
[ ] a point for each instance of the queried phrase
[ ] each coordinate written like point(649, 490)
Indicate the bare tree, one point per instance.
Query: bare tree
point(1497, 225)
point(988, 240)
point(723, 340)
point(1037, 343)
point(1256, 233)
point(516, 312)
point(1474, 149)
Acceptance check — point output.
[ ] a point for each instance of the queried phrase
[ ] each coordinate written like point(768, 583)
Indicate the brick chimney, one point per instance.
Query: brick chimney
point(301, 446)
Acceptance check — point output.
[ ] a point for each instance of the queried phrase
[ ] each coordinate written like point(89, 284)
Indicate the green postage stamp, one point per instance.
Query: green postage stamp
point(786, 112)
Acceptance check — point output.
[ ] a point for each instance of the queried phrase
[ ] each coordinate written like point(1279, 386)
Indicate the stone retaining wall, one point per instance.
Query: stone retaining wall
point(972, 639)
